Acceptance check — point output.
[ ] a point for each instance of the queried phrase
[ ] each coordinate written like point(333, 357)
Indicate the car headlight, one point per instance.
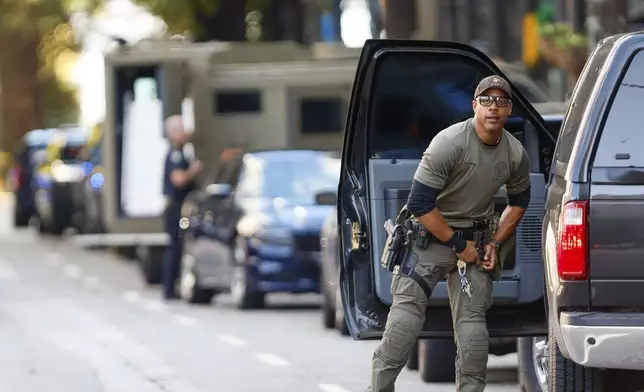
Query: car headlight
point(66, 173)
point(277, 235)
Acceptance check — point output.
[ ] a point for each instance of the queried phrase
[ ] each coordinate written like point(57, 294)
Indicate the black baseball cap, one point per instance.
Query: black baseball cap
point(494, 81)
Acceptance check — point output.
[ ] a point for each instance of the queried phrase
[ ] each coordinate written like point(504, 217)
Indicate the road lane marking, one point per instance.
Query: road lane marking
point(91, 282)
point(154, 306)
point(131, 296)
point(186, 321)
point(72, 271)
point(55, 259)
point(232, 340)
point(331, 388)
point(272, 360)
point(7, 271)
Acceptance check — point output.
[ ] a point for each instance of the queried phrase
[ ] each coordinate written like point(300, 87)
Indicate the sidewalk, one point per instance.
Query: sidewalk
point(6, 213)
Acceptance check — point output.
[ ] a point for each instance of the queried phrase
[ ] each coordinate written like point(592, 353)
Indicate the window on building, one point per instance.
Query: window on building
point(322, 115)
point(237, 101)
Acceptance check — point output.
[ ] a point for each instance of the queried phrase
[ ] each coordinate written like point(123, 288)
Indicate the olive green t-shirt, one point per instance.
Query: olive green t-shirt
point(469, 173)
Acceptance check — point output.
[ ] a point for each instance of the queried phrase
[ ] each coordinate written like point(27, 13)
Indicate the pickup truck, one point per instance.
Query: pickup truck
point(562, 279)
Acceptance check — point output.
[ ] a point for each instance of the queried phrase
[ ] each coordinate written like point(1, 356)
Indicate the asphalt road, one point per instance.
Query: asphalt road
point(82, 321)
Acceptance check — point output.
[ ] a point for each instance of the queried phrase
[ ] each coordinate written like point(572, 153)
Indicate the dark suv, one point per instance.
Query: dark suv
point(404, 93)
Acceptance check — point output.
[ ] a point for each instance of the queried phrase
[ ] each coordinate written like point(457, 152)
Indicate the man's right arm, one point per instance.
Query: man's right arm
point(436, 167)
point(181, 177)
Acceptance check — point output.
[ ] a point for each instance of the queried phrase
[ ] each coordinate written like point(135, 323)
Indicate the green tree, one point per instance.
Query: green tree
point(206, 20)
point(37, 51)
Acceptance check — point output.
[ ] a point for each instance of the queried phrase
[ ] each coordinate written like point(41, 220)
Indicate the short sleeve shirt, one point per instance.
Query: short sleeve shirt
point(175, 159)
point(470, 173)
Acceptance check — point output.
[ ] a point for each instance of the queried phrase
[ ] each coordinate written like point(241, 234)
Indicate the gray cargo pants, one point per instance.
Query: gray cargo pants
point(407, 316)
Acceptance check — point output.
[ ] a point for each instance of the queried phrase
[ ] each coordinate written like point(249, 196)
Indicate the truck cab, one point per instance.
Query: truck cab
point(593, 272)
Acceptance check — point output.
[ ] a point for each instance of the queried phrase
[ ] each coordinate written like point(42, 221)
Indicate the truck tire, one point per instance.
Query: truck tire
point(529, 361)
point(412, 361)
point(436, 360)
point(150, 260)
point(328, 311)
point(340, 320)
point(565, 375)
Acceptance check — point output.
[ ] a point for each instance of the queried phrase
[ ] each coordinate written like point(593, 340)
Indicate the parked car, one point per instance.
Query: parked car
point(429, 356)
point(27, 157)
point(589, 313)
point(88, 192)
point(255, 226)
point(55, 180)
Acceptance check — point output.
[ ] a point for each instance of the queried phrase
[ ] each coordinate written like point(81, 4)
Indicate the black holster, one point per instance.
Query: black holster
point(399, 242)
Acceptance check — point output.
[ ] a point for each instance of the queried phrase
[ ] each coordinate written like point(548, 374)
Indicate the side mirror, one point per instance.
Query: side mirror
point(218, 190)
point(326, 198)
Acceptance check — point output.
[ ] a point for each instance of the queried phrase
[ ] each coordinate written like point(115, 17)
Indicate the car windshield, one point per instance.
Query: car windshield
point(69, 154)
point(298, 181)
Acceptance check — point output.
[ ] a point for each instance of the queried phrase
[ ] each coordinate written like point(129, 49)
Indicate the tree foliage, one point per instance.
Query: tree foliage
point(183, 17)
point(38, 51)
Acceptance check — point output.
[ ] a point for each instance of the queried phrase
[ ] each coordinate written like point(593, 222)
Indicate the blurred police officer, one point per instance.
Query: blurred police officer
point(178, 181)
point(452, 196)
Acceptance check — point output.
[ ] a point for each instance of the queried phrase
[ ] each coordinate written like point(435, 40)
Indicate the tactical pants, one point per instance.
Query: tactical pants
point(407, 316)
point(173, 253)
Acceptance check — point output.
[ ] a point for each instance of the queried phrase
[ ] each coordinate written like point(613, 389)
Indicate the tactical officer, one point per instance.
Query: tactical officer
point(178, 181)
point(452, 199)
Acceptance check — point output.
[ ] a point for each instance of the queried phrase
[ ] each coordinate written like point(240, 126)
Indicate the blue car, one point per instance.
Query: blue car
point(255, 226)
point(28, 156)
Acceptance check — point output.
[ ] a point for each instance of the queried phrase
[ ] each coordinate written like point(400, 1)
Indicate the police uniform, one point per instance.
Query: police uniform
point(176, 159)
point(468, 174)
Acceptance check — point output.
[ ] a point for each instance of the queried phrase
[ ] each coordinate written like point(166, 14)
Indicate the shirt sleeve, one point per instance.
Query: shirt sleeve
point(519, 179)
point(437, 163)
point(175, 161)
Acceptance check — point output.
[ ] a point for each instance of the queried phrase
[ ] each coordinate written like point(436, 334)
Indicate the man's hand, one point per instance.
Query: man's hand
point(195, 167)
point(470, 254)
point(490, 259)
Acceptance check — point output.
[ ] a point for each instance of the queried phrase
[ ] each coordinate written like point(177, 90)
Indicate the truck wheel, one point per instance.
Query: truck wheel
point(566, 375)
point(328, 311)
point(150, 262)
point(533, 363)
point(436, 360)
point(242, 290)
point(412, 361)
point(190, 289)
point(340, 320)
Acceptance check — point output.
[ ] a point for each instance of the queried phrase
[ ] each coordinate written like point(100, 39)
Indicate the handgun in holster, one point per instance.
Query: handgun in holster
point(399, 246)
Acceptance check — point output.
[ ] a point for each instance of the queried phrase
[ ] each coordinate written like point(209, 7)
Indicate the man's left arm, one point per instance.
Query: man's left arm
point(518, 188)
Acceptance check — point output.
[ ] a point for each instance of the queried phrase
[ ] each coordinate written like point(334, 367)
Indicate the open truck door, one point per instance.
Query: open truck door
point(142, 88)
point(404, 93)
point(140, 95)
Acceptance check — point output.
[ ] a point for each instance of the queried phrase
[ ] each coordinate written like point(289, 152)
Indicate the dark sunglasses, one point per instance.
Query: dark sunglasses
point(487, 100)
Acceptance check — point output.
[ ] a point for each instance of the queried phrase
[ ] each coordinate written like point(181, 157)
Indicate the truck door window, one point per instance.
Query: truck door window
point(622, 137)
point(578, 103)
point(417, 95)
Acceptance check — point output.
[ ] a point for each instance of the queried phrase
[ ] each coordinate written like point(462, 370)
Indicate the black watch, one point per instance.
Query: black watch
point(457, 243)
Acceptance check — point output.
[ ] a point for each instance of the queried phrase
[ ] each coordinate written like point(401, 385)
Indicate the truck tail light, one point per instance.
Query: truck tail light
point(572, 241)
